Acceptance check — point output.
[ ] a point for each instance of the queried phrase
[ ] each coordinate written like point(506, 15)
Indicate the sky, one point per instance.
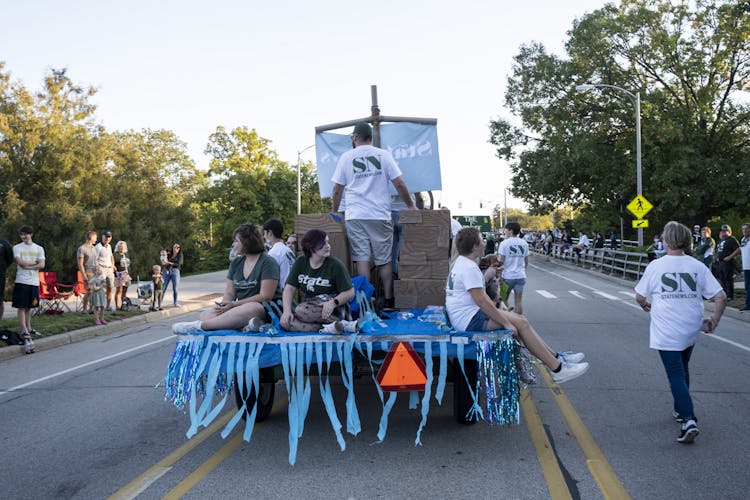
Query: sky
point(285, 67)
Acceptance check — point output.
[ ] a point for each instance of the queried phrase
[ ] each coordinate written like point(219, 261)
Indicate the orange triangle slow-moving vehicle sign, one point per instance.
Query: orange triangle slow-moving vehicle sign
point(402, 370)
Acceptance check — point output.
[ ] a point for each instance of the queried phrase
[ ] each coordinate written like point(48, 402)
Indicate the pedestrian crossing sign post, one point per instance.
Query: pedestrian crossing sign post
point(639, 206)
point(640, 223)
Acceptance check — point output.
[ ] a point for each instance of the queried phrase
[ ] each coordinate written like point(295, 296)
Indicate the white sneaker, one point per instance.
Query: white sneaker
point(253, 325)
point(335, 328)
point(350, 326)
point(187, 327)
point(569, 371)
point(570, 357)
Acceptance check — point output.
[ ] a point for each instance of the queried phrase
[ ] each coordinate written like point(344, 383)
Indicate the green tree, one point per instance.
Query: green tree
point(248, 183)
point(689, 61)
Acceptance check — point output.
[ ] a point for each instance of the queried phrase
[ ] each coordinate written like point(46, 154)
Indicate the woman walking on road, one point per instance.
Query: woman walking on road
point(676, 285)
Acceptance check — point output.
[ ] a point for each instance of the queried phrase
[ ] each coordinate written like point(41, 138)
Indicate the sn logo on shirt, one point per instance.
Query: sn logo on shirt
point(515, 250)
point(366, 164)
point(679, 282)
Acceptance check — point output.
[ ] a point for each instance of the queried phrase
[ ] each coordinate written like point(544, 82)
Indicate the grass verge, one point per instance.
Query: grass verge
point(53, 324)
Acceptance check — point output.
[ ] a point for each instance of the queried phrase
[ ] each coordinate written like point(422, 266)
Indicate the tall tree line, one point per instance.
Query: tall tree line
point(64, 174)
point(690, 62)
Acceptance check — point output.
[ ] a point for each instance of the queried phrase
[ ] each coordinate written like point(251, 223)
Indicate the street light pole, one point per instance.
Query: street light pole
point(299, 178)
point(636, 98)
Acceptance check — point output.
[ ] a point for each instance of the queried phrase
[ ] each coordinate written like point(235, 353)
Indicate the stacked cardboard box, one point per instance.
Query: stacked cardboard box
point(335, 228)
point(423, 266)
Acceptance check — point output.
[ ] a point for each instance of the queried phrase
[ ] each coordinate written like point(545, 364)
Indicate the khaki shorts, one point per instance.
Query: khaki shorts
point(370, 238)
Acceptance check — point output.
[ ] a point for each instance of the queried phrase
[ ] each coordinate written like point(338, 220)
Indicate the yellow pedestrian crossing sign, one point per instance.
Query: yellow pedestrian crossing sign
point(640, 223)
point(639, 207)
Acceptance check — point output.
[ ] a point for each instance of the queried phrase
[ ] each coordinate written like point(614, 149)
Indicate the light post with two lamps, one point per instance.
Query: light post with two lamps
point(636, 98)
point(299, 178)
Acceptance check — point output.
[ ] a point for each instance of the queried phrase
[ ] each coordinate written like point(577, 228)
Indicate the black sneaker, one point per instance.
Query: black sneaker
point(688, 432)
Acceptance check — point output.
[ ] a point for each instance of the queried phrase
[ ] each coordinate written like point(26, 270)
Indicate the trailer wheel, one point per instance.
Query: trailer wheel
point(267, 389)
point(462, 401)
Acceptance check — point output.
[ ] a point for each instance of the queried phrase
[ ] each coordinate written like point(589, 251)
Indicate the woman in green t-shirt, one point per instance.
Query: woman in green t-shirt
point(253, 277)
point(324, 285)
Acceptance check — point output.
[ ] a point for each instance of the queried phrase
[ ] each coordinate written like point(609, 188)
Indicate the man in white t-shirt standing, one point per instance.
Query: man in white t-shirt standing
point(513, 254)
point(30, 259)
point(363, 174)
point(106, 261)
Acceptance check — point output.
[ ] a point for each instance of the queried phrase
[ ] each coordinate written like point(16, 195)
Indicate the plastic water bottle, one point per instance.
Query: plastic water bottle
point(405, 315)
point(268, 329)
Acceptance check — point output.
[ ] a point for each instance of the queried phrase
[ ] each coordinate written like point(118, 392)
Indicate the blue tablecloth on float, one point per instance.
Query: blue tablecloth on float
point(204, 366)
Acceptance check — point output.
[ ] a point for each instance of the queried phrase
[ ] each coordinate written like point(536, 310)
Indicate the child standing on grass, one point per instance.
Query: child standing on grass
point(98, 296)
point(158, 281)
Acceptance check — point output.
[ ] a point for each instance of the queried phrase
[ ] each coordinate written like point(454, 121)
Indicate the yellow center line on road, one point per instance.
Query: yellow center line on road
point(556, 485)
point(205, 469)
point(609, 484)
point(150, 476)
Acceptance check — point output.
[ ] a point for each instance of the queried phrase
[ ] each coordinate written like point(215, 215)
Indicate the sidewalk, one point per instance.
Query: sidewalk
point(196, 292)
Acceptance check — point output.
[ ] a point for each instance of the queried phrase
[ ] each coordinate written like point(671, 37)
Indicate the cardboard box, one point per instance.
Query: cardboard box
point(335, 229)
point(412, 293)
point(431, 225)
point(410, 268)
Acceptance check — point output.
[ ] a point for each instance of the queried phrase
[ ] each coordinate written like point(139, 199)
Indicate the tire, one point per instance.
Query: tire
point(267, 389)
point(462, 401)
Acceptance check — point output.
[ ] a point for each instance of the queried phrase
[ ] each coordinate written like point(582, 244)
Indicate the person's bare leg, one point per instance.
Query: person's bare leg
point(530, 338)
point(363, 269)
point(234, 319)
point(386, 278)
point(518, 301)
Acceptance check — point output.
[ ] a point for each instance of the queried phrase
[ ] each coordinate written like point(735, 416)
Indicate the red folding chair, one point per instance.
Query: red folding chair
point(79, 290)
point(52, 294)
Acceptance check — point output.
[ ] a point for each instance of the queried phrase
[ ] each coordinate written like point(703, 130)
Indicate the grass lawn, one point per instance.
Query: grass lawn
point(52, 324)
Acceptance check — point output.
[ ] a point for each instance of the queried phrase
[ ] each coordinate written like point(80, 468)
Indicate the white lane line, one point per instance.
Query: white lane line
point(546, 294)
point(84, 365)
point(628, 294)
point(576, 293)
point(606, 295)
point(731, 342)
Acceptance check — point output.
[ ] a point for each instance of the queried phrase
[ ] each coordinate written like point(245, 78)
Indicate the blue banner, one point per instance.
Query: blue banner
point(413, 145)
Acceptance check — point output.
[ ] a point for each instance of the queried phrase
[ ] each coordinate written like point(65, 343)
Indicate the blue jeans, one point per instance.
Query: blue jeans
point(676, 366)
point(746, 274)
point(174, 278)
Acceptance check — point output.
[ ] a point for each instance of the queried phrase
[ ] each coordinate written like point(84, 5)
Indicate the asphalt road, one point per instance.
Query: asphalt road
point(85, 420)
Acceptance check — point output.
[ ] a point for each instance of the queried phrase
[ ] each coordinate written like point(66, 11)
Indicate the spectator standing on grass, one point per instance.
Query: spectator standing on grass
point(86, 260)
point(745, 251)
point(98, 297)
point(704, 250)
point(513, 254)
point(30, 259)
point(122, 273)
point(727, 249)
point(106, 260)
point(672, 289)
point(6, 259)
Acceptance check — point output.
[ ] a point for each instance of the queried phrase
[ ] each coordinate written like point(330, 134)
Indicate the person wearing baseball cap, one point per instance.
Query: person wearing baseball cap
point(364, 174)
point(727, 249)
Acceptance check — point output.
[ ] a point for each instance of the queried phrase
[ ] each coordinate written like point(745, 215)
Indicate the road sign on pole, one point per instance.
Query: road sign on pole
point(639, 206)
point(640, 223)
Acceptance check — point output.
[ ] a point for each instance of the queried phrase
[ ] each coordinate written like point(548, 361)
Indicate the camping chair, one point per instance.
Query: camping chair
point(79, 291)
point(52, 294)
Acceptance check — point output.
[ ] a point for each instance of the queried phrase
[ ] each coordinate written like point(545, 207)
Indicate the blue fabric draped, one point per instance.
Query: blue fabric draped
point(204, 366)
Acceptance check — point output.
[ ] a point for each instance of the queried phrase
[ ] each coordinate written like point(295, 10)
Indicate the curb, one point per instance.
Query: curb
point(731, 312)
point(61, 339)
